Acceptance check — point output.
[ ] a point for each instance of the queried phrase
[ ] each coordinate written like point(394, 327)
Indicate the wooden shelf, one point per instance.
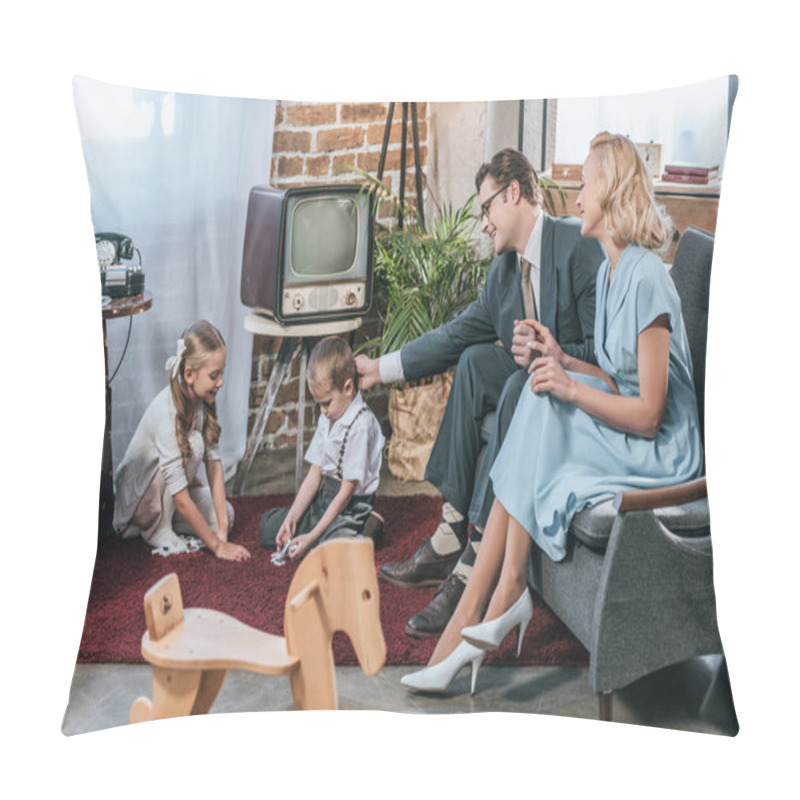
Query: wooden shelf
point(686, 204)
point(663, 187)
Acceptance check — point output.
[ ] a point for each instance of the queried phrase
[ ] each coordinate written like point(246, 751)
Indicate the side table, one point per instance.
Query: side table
point(293, 336)
point(118, 307)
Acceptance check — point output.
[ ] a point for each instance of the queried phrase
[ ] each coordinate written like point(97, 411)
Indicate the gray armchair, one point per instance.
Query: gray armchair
point(636, 587)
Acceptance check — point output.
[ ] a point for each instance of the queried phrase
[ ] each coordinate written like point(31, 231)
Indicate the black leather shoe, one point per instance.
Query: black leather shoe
point(433, 619)
point(425, 568)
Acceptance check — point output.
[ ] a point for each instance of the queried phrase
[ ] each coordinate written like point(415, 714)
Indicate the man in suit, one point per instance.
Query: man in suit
point(543, 269)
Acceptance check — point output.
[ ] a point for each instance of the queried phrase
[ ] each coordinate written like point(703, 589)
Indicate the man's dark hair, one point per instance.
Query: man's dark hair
point(508, 165)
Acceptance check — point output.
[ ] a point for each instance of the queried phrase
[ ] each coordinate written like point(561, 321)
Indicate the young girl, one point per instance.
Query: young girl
point(158, 493)
point(337, 495)
point(581, 433)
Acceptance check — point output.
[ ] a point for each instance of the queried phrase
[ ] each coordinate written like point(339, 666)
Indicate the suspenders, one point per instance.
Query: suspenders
point(344, 442)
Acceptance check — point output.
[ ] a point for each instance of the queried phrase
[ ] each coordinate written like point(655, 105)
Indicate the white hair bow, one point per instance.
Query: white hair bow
point(174, 362)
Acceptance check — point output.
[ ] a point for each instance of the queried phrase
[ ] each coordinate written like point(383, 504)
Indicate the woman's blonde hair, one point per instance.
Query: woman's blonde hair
point(626, 194)
point(201, 340)
point(331, 361)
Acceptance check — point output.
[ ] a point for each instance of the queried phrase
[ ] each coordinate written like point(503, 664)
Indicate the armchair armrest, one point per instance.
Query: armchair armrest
point(648, 499)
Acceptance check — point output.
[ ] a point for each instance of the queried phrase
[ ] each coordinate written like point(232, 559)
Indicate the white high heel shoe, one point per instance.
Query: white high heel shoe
point(438, 677)
point(489, 635)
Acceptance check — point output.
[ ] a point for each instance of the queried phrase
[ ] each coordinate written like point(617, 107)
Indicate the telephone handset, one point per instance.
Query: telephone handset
point(118, 280)
point(111, 247)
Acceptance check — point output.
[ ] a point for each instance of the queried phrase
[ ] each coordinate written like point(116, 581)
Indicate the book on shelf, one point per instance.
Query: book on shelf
point(691, 171)
point(697, 180)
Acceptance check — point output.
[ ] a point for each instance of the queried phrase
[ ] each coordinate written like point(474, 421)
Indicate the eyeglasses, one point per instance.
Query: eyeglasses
point(485, 205)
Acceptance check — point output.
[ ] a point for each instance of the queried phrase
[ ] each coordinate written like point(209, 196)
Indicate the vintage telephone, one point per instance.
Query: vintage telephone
point(118, 280)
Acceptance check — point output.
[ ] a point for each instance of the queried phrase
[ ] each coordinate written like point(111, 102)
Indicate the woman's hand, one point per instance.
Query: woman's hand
point(228, 551)
point(549, 376)
point(545, 344)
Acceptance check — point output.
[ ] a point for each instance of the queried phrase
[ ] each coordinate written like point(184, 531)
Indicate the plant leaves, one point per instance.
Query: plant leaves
point(428, 272)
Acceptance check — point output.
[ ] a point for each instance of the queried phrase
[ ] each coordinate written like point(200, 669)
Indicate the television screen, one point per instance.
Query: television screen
point(323, 237)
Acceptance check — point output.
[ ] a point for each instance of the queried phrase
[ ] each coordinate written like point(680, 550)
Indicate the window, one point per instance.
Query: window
point(689, 122)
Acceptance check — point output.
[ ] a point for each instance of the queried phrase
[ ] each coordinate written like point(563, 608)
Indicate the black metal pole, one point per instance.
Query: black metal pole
point(403, 167)
point(417, 163)
point(403, 148)
point(385, 145)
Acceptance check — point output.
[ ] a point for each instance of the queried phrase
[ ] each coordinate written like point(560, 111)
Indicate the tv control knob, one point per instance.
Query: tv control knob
point(350, 298)
point(297, 302)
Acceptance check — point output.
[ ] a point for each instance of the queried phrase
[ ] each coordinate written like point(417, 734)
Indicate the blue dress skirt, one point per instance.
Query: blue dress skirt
point(556, 459)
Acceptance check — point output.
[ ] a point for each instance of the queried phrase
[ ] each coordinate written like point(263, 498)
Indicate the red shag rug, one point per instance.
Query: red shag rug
point(255, 591)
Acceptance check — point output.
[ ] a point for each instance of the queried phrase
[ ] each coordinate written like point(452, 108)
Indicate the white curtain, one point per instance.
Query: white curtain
point(173, 172)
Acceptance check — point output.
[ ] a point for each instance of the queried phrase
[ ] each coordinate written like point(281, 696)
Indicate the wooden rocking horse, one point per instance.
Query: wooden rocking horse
point(191, 650)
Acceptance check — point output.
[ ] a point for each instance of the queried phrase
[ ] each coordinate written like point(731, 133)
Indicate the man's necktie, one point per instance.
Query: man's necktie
point(527, 290)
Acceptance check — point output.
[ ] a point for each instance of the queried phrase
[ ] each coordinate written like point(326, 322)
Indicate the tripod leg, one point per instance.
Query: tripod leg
point(301, 420)
point(417, 163)
point(285, 354)
point(385, 145)
point(401, 210)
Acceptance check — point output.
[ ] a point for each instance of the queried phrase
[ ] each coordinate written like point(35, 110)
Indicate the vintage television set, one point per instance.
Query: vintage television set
point(308, 253)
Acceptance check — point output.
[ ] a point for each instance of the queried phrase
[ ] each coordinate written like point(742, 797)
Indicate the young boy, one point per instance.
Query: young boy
point(337, 495)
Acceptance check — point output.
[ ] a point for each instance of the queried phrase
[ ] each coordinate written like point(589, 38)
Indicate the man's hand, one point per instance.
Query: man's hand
point(524, 337)
point(369, 373)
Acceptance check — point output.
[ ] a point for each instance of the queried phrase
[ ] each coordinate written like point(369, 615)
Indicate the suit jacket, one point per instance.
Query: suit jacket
point(568, 273)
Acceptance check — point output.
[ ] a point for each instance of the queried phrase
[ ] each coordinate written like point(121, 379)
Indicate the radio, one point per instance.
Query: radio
point(116, 279)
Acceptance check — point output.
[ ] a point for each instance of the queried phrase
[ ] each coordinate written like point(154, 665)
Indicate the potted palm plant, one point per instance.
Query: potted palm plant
point(425, 273)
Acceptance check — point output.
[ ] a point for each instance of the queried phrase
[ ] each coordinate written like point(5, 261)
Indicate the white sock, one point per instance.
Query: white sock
point(445, 540)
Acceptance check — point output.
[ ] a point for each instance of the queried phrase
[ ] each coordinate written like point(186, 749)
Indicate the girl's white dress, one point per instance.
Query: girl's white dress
point(151, 473)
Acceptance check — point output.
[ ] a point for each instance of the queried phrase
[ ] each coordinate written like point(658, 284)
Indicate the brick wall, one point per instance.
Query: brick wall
point(313, 141)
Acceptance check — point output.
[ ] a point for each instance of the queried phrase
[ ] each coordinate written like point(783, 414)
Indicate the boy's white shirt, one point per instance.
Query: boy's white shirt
point(364, 450)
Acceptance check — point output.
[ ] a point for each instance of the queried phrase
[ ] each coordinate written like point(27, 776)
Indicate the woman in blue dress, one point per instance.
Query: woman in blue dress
point(583, 433)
